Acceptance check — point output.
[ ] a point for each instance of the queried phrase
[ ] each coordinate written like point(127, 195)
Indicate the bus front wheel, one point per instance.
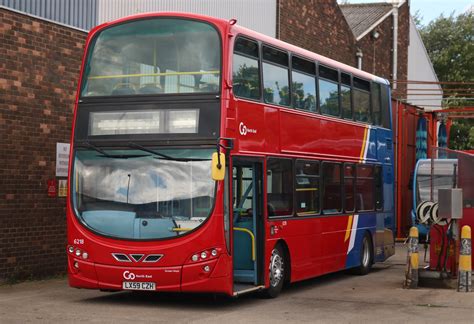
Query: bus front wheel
point(277, 268)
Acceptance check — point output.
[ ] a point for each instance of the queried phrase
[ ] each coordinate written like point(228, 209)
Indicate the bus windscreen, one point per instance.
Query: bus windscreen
point(134, 194)
point(153, 56)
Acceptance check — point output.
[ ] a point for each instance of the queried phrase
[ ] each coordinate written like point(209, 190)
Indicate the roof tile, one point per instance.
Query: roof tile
point(361, 16)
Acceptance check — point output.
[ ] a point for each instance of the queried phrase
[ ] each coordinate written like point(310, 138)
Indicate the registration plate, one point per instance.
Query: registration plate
point(138, 285)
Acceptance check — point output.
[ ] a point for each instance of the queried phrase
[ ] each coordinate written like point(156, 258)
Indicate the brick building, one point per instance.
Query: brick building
point(39, 64)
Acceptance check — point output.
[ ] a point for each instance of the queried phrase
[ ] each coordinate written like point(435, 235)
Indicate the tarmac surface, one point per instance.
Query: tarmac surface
point(336, 298)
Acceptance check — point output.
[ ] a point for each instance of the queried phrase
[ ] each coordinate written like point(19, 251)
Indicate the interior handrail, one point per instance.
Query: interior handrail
point(252, 237)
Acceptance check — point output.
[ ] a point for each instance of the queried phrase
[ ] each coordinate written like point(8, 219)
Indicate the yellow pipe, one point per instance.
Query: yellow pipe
point(252, 237)
point(149, 74)
point(311, 212)
point(465, 261)
point(181, 229)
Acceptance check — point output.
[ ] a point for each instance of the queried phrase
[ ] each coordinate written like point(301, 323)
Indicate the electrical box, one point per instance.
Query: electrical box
point(450, 203)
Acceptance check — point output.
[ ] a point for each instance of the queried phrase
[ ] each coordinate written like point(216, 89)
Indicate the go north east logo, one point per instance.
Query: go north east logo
point(128, 275)
point(244, 130)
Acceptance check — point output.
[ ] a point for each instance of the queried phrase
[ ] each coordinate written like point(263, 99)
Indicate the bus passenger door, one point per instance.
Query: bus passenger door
point(247, 224)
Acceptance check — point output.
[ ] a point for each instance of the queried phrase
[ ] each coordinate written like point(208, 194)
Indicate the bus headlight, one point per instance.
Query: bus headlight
point(209, 254)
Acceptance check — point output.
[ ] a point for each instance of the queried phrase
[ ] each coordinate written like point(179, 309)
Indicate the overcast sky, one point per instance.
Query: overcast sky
point(431, 9)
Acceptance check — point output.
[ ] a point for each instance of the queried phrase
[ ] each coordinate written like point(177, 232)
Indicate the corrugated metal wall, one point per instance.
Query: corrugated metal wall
point(259, 15)
point(77, 13)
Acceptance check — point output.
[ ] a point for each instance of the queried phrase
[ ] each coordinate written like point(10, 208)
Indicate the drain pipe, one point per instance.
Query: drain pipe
point(359, 56)
point(395, 43)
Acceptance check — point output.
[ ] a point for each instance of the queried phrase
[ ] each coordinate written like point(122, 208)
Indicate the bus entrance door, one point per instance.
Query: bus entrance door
point(247, 222)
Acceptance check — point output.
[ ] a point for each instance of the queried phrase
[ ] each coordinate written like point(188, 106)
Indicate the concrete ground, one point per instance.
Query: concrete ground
point(336, 298)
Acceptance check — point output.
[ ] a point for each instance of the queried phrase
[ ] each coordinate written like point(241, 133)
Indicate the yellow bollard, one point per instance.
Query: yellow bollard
point(465, 261)
point(411, 274)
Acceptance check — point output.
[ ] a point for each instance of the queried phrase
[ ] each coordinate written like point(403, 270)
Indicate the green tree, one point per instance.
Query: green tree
point(449, 42)
point(459, 137)
point(450, 45)
point(417, 18)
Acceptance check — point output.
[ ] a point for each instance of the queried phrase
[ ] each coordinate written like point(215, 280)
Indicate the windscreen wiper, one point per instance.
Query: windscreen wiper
point(115, 156)
point(161, 155)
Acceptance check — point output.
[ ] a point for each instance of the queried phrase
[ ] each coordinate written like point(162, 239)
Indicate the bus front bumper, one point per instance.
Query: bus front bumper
point(208, 276)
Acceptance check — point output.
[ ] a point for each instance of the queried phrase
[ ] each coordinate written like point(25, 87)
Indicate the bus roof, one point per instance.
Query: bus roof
point(237, 29)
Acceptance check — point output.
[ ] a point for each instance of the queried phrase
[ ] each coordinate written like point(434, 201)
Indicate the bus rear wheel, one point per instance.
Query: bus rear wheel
point(277, 272)
point(366, 257)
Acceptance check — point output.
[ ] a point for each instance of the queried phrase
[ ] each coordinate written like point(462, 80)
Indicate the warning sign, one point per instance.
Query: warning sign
point(51, 188)
point(62, 192)
point(62, 159)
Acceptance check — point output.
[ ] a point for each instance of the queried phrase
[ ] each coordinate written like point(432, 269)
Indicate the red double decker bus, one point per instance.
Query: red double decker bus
point(207, 157)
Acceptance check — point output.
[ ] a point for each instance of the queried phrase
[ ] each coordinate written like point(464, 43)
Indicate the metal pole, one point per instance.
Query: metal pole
point(465, 261)
point(411, 274)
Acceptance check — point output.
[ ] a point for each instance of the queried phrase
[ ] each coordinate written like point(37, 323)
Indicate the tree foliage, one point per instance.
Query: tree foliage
point(449, 42)
point(450, 45)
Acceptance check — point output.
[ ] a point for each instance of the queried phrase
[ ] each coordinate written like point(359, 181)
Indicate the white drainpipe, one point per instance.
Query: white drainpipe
point(395, 43)
point(359, 58)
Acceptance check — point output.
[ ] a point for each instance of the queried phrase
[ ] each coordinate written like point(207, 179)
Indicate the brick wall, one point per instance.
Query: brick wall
point(318, 26)
point(403, 42)
point(378, 55)
point(39, 66)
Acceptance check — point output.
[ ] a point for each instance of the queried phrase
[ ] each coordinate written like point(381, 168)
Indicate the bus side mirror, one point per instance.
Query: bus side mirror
point(218, 166)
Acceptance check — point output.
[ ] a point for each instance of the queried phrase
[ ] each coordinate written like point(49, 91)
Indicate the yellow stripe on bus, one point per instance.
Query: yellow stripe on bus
point(349, 229)
point(363, 144)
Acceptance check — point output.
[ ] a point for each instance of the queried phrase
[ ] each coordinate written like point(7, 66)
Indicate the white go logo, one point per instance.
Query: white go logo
point(127, 275)
point(242, 129)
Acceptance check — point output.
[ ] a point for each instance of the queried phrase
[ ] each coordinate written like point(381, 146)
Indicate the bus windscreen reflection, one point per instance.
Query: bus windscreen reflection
point(143, 197)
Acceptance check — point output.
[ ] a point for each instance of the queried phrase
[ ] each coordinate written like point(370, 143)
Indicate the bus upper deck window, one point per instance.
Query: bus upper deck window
point(153, 56)
point(346, 96)
point(385, 106)
point(361, 92)
point(328, 91)
point(303, 90)
point(376, 110)
point(276, 87)
point(246, 69)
